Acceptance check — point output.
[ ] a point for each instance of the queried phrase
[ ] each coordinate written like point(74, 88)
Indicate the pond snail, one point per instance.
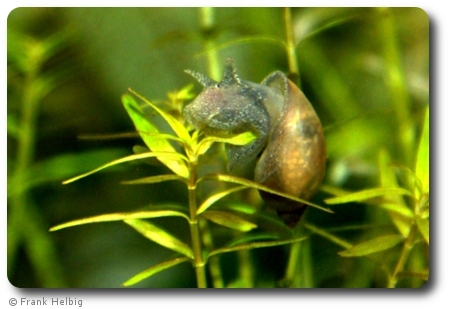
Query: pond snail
point(290, 138)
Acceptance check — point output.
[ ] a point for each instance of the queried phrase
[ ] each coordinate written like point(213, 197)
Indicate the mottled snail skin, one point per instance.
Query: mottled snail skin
point(289, 133)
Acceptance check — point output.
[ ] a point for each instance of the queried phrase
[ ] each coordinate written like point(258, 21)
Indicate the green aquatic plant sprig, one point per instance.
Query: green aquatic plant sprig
point(183, 161)
point(407, 207)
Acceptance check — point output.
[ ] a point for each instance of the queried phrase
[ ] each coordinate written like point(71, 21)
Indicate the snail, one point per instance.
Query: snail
point(290, 141)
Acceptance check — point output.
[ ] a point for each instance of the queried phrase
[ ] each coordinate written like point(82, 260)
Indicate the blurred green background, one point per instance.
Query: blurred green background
point(365, 70)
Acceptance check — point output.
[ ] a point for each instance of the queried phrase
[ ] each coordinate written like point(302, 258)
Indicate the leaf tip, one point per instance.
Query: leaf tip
point(125, 284)
point(67, 181)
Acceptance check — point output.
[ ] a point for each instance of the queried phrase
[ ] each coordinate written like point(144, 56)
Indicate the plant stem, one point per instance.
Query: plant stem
point(213, 262)
point(25, 154)
point(246, 268)
point(298, 272)
point(294, 74)
point(396, 82)
point(199, 264)
point(213, 65)
point(22, 211)
point(407, 246)
point(291, 269)
point(207, 26)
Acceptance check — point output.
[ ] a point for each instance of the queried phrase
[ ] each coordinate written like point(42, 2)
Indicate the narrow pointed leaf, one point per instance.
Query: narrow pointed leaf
point(112, 136)
point(328, 25)
point(154, 270)
point(215, 197)
point(122, 216)
point(59, 167)
point(229, 220)
point(251, 184)
point(183, 94)
point(153, 179)
point(423, 154)
point(397, 210)
point(377, 244)
point(155, 140)
point(128, 159)
point(255, 245)
point(424, 228)
point(159, 135)
point(160, 236)
point(137, 149)
point(407, 177)
point(242, 207)
point(176, 126)
point(272, 223)
point(421, 274)
point(13, 127)
point(366, 194)
point(253, 237)
point(239, 140)
point(334, 239)
point(242, 41)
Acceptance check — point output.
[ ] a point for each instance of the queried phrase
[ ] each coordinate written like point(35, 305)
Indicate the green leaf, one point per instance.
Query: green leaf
point(423, 154)
point(397, 210)
point(326, 26)
point(239, 140)
point(243, 41)
point(160, 236)
point(215, 197)
point(366, 194)
point(270, 222)
point(153, 179)
point(255, 245)
point(421, 274)
point(423, 210)
point(128, 159)
point(334, 239)
point(424, 227)
point(241, 207)
point(399, 213)
point(137, 149)
point(122, 216)
point(156, 141)
point(182, 95)
point(229, 220)
point(407, 177)
point(107, 137)
point(59, 167)
point(377, 244)
point(251, 184)
point(252, 237)
point(176, 126)
point(13, 126)
point(154, 270)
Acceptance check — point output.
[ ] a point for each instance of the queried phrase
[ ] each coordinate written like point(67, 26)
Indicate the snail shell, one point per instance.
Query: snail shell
point(294, 159)
point(290, 138)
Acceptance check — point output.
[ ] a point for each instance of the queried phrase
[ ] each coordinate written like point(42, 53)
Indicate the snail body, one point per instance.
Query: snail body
point(290, 138)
